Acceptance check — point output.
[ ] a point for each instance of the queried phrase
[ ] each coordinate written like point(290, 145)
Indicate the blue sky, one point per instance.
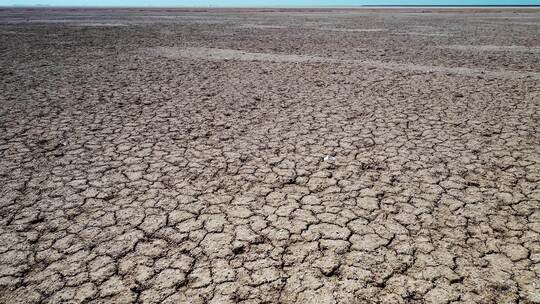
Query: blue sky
point(265, 3)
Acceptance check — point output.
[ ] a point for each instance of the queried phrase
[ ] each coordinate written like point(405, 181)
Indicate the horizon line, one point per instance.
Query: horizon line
point(278, 6)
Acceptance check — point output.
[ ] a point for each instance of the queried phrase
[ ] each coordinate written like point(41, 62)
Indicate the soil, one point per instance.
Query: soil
point(269, 156)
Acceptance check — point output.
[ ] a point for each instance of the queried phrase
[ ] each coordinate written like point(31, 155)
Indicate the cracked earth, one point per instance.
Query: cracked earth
point(235, 156)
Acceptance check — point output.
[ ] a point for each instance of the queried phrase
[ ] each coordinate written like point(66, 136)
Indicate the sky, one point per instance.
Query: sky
point(260, 3)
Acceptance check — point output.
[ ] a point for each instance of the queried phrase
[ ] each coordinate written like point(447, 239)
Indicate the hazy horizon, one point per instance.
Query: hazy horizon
point(261, 3)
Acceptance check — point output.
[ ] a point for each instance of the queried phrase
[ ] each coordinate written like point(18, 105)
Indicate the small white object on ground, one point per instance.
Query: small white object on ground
point(329, 158)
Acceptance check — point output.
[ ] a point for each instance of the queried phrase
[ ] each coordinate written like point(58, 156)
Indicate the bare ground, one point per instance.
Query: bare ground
point(269, 156)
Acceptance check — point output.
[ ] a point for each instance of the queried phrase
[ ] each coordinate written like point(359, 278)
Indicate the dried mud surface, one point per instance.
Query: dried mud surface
point(271, 156)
